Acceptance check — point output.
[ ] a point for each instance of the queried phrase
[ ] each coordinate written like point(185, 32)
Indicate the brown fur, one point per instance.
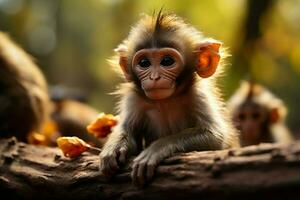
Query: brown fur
point(255, 95)
point(25, 104)
point(193, 118)
point(24, 96)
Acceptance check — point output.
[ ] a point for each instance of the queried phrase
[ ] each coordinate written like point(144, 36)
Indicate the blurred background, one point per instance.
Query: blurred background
point(71, 41)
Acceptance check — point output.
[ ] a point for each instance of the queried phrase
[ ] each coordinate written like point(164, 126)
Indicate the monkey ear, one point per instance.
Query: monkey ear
point(208, 58)
point(122, 53)
point(274, 116)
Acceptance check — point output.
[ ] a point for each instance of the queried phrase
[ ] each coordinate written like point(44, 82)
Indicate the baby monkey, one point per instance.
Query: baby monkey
point(259, 115)
point(170, 102)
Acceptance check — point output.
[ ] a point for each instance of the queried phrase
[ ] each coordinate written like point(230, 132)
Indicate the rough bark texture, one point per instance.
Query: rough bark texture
point(269, 171)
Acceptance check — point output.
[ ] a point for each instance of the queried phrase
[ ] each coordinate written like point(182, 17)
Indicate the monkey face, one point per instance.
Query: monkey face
point(157, 69)
point(251, 120)
point(160, 60)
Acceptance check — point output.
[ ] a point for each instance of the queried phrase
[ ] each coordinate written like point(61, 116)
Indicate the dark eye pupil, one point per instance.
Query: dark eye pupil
point(167, 61)
point(242, 116)
point(144, 63)
point(255, 116)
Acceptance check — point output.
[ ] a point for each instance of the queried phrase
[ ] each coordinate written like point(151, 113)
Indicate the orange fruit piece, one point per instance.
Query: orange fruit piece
point(102, 126)
point(72, 146)
point(36, 138)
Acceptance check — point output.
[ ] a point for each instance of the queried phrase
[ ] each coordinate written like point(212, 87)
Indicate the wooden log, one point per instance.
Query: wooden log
point(269, 171)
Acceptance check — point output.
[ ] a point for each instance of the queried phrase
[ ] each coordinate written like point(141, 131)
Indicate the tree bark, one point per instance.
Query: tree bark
point(269, 171)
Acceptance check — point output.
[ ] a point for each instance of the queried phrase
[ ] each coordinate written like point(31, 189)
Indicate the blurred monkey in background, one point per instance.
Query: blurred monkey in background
point(24, 100)
point(259, 115)
point(26, 110)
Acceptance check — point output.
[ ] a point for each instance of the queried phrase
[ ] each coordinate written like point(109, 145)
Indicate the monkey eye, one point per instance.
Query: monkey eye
point(242, 116)
point(167, 61)
point(255, 115)
point(144, 63)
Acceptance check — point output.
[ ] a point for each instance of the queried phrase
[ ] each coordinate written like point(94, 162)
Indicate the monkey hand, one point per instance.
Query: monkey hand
point(111, 158)
point(145, 163)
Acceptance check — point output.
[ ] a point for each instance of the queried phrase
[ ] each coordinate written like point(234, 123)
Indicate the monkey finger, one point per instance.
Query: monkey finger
point(151, 166)
point(140, 157)
point(134, 172)
point(112, 163)
point(137, 159)
point(108, 163)
point(101, 167)
point(103, 163)
point(122, 156)
point(141, 174)
point(104, 169)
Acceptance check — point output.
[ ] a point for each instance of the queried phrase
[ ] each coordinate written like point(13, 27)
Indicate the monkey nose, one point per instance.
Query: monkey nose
point(154, 76)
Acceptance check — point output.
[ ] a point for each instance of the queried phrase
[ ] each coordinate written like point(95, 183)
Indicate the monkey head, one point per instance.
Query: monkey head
point(160, 54)
point(254, 110)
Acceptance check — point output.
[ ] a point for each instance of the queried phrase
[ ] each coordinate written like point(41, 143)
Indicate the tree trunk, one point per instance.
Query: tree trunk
point(269, 171)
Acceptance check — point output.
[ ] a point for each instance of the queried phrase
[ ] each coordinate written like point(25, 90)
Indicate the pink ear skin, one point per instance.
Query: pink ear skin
point(122, 51)
point(274, 116)
point(208, 58)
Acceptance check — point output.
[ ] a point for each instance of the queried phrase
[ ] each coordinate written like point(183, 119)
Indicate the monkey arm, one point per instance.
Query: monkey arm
point(120, 145)
point(114, 153)
point(192, 139)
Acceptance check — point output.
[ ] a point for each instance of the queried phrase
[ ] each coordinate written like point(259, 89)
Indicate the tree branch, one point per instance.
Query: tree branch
point(263, 171)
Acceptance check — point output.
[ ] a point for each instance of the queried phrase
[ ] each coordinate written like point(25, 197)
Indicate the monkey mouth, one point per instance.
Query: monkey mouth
point(152, 88)
point(159, 93)
point(157, 89)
